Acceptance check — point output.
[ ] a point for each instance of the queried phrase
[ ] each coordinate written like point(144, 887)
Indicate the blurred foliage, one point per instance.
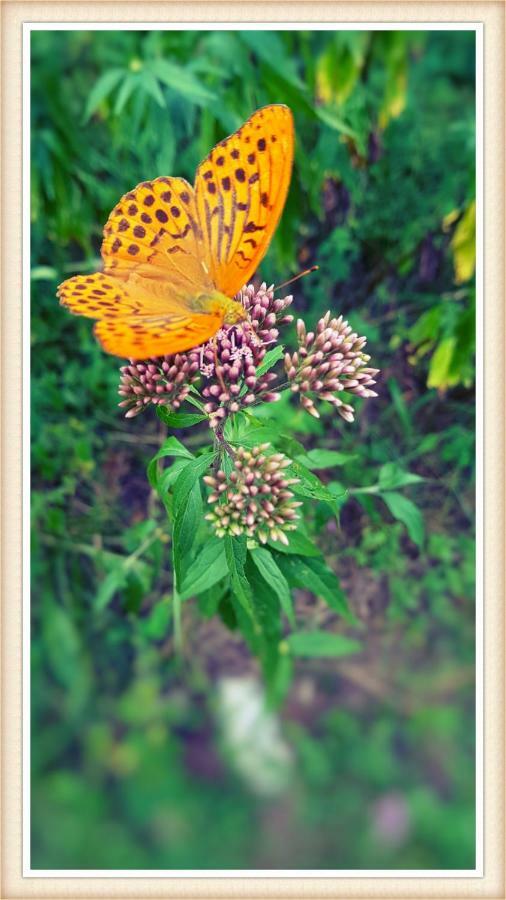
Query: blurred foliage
point(136, 763)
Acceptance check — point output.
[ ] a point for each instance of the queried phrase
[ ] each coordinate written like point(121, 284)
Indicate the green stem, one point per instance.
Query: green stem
point(178, 628)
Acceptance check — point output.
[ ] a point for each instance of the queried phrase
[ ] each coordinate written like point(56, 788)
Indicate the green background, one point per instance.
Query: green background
point(133, 764)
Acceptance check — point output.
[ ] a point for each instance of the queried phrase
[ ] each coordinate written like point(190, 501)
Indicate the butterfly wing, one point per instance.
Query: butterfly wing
point(136, 317)
point(153, 269)
point(140, 337)
point(240, 192)
point(166, 244)
point(154, 232)
point(99, 295)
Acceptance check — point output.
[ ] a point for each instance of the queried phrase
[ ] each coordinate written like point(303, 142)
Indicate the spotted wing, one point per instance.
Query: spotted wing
point(240, 191)
point(137, 318)
point(100, 295)
point(140, 337)
point(154, 232)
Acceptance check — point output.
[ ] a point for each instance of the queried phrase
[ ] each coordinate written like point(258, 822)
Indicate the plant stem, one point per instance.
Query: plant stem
point(221, 443)
point(178, 629)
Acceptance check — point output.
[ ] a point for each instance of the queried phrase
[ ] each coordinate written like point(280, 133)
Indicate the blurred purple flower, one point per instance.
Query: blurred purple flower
point(391, 819)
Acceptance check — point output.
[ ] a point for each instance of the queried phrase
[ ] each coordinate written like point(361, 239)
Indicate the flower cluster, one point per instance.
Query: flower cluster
point(266, 312)
point(329, 361)
point(231, 361)
point(230, 369)
point(227, 370)
point(255, 499)
point(159, 380)
point(226, 366)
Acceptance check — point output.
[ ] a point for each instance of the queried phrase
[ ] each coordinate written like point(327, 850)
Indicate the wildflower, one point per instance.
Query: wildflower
point(230, 361)
point(230, 365)
point(255, 499)
point(162, 381)
point(328, 362)
point(226, 367)
point(265, 311)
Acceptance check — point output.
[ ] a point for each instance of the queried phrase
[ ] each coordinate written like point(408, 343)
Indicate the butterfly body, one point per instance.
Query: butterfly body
point(217, 304)
point(175, 255)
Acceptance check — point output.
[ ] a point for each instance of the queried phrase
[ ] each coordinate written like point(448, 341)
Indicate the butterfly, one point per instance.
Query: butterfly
point(175, 255)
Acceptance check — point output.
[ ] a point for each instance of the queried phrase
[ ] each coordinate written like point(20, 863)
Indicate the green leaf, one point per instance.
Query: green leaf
point(177, 419)
point(43, 273)
point(335, 122)
point(187, 509)
point(400, 405)
point(187, 517)
point(125, 568)
point(189, 476)
point(339, 66)
point(268, 46)
point(441, 364)
point(270, 359)
point(298, 543)
point(281, 679)
point(63, 648)
point(209, 601)
point(151, 86)
point(322, 644)
point(127, 88)
point(406, 512)
point(101, 89)
point(171, 447)
point(208, 567)
point(264, 634)
point(181, 81)
point(235, 550)
point(392, 476)
point(315, 576)
point(309, 484)
point(252, 436)
point(169, 475)
point(427, 327)
point(464, 245)
point(325, 459)
point(273, 575)
point(112, 583)
point(156, 625)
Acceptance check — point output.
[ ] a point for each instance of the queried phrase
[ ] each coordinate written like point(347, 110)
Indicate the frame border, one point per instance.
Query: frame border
point(489, 212)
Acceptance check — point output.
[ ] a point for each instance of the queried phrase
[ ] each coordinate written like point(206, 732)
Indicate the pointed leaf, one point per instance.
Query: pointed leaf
point(208, 567)
point(273, 575)
point(235, 550)
point(408, 513)
point(322, 644)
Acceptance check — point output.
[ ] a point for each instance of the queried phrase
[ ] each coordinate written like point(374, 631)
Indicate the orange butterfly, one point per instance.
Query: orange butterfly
point(175, 255)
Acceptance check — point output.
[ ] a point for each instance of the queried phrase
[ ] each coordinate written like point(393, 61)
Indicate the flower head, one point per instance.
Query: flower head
point(329, 361)
point(255, 499)
point(230, 360)
point(226, 370)
point(162, 381)
point(225, 367)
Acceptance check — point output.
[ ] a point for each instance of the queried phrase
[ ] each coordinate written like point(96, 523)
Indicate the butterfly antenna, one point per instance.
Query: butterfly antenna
point(296, 277)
